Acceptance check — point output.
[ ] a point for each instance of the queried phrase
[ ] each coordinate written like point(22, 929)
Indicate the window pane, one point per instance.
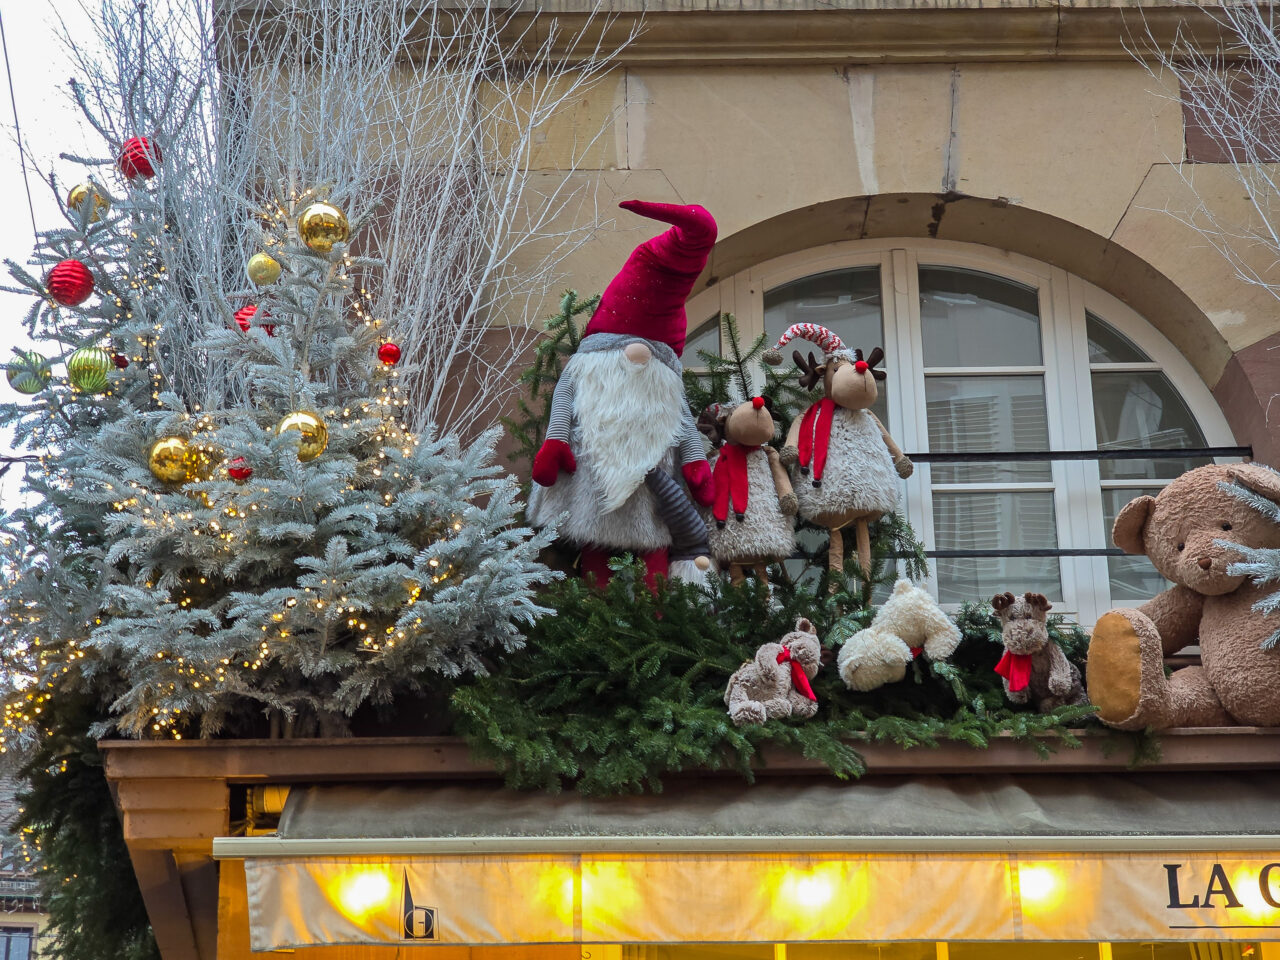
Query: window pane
point(17, 942)
point(846, 302)
point(984, 415)
point(1145, 411)
point(705, 337)
point(1109, 345)
point(995, 521)
point(1133, 579)
point(973, 319)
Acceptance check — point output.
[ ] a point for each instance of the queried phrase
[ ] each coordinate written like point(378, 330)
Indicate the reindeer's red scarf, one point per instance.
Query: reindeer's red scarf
point(815, 435)
point(730, 478)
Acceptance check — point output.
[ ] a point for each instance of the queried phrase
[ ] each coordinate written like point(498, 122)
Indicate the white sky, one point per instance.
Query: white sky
point(50, 124)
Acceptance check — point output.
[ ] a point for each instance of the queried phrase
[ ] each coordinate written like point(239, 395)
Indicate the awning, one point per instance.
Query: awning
point(1029, 857)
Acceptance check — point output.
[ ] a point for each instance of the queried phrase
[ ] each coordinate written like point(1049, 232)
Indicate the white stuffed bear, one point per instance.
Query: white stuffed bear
point(910, 623)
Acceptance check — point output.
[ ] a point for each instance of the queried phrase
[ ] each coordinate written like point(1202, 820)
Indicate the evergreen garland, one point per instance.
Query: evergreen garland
point(620, 688)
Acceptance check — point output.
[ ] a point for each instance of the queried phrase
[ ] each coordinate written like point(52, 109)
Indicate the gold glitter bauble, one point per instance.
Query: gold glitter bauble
point(263, 269)
point(28, 372)
point(171, 460)
point(81, 193)
point(313, 434)
point(321, 225)
point(87, 369)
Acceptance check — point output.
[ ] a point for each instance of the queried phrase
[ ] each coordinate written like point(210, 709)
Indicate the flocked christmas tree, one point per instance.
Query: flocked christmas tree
point(242, 513)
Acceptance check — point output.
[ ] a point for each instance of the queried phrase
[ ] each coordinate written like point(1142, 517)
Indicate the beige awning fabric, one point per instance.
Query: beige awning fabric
point(1036, 857)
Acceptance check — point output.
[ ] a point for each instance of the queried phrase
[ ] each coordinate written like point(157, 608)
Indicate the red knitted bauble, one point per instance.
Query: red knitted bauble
point(246, 313)
point(70, 283)
point(389, 354)
point(138, 157)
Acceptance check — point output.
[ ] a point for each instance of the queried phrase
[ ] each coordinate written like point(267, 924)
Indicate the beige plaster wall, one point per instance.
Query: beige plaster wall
point(1093, 144)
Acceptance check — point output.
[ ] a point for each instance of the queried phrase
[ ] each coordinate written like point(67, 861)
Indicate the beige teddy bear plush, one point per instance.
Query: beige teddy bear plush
point(776, 683)
point(909, 623)
point(1187, 531)
point(1034, 668)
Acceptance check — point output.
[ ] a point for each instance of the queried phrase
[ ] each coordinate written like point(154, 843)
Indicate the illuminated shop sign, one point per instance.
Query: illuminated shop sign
point(744, 898)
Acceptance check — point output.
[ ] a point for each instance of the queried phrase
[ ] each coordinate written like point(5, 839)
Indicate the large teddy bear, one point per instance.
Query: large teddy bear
point(1187, 531)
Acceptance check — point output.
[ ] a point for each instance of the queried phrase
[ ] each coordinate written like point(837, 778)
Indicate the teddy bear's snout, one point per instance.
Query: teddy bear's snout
point(1204, 563)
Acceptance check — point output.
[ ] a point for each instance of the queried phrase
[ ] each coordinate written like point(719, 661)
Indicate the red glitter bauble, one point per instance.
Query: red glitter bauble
point(120, 360)
point(389, 354)
point(239, 470)
point(70, 283)
point(245, 314)
point(138, 157)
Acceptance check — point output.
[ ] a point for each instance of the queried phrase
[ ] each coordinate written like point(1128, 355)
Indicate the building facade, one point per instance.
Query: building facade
point(1003, 196)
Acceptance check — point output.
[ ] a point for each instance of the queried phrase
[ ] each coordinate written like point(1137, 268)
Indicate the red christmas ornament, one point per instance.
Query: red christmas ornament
point(120, 360)
point(389, 354)
point(246, 313)
point(239, 470)
point(138, 157)
point(70, 283)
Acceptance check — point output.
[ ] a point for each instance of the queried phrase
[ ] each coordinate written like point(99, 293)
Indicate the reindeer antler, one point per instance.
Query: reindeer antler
point(812, 370)
point(876, 356)
point(711, 425)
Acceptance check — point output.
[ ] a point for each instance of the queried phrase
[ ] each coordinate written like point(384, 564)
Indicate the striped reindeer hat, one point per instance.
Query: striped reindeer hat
point(826, 339)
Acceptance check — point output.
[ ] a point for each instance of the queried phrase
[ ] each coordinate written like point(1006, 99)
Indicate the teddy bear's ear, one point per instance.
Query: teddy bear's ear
point(1002, 601)
point(1038, 601)
point(1131, 523)
point(804, 626)
point(1261, 480)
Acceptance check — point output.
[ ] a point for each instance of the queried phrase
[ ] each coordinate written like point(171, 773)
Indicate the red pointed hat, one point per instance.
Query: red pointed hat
point(646, 298)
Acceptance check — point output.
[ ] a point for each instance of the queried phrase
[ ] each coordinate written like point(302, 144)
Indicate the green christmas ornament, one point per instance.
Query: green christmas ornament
point(87, 369)
point(28, 372)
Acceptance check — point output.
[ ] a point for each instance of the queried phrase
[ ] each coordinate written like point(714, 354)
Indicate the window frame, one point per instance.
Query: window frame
point(1063, 300)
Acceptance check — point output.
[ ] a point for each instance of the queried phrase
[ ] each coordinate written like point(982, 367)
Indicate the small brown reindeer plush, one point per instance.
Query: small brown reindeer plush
point(848, 464)
point(776, 682)
point(1034, 668)
point(754, 503)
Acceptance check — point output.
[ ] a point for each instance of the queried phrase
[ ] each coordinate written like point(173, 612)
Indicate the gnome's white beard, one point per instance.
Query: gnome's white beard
point(629, 415)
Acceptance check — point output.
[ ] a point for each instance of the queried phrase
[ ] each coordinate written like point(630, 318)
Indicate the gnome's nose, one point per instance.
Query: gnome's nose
point(637, 353)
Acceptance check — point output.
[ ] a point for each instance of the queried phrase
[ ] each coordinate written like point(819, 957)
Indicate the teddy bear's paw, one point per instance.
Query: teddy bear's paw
point(752, 711)
point(1125, 670)
point(804, 708)
point(778, 707)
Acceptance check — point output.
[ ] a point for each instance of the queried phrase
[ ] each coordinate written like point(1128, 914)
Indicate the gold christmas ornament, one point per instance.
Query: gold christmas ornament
point(172, 460)
point(87, 369)
point(81, 193)
point(263, 269)
point(28, 372)
point(321, 225)
point(313, 434)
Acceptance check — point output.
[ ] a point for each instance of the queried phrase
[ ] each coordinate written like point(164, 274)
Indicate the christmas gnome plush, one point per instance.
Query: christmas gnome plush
point(848, 465)
point(619, 410)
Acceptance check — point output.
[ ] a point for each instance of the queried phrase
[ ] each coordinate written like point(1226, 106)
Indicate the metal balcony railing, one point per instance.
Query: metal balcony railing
point(1024, 456)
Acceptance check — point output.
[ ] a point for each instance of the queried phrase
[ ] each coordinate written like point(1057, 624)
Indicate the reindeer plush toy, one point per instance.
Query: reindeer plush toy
point(754, 504)
point(1034, 667)
point(848, 465)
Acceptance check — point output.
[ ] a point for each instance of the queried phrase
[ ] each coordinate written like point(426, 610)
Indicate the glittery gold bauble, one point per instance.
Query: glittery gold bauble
point(263, 269)
point(87, 369)
point(81, 193)
point(321, 225)
point(171, 460)
point(314, 435)
point(28, 372)
point(204, 460)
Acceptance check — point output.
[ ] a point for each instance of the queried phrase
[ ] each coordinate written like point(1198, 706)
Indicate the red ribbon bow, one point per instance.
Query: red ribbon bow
point(1016, 668)
point(730, 476)
point(815, 435)
point(799, 678)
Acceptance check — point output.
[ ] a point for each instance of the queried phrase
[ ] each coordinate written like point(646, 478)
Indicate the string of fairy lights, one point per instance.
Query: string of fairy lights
point(224, 519)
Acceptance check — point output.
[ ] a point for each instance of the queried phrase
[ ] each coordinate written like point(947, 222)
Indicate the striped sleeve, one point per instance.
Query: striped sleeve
point(692, 447)
point(560, 425)
point(681, 517)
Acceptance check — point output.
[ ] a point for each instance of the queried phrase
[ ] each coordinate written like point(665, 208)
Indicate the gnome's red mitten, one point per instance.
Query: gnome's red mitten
point(698, 476)
point(553, 457)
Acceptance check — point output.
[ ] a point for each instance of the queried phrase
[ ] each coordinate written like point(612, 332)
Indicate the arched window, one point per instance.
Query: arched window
point(991, 352)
